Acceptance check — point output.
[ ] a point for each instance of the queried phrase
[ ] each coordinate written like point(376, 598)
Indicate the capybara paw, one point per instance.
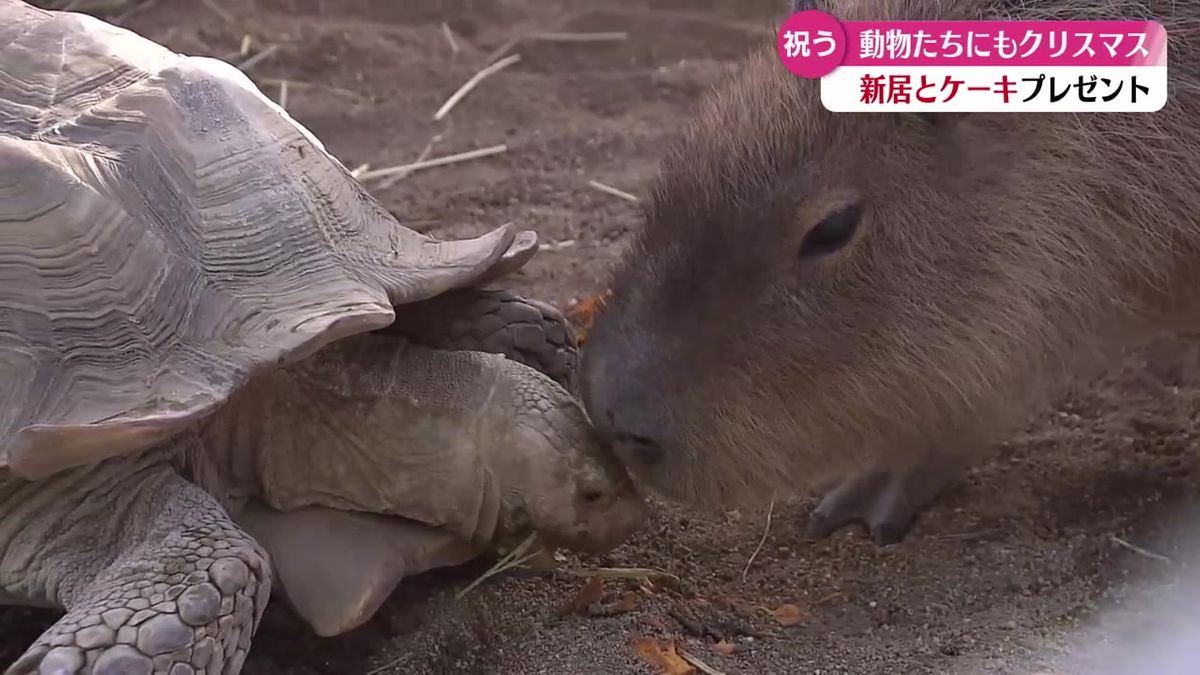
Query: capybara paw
point(878, 499)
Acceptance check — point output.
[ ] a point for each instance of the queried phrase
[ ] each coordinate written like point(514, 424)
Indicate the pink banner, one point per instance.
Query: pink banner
point(994, 43)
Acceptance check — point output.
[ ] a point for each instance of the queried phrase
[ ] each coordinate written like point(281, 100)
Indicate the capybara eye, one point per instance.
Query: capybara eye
point(833, 232)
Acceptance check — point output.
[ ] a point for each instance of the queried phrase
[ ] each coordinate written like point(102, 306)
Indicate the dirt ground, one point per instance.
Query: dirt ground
point(994, 579)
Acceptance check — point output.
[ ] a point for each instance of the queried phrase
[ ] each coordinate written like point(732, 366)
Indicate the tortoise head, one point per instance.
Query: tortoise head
point(556, 475)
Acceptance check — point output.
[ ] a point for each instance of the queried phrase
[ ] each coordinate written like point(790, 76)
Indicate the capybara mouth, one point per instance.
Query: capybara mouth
point(639, 451)
point(644, 460)
point(661, 468)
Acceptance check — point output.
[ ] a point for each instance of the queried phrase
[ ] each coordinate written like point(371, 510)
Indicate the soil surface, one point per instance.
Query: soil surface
point(1034, 545)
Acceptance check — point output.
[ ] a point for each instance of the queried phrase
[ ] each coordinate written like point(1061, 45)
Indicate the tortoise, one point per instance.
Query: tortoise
point(211, 387)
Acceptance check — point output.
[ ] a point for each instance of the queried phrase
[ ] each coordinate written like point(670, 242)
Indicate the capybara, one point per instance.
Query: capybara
point(866, 301)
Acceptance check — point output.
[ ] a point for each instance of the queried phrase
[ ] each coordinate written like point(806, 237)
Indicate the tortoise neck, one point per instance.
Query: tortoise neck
point(367, 424)
point(226, 461)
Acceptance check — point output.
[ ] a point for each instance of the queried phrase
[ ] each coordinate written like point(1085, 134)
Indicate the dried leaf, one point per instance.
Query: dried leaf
point(628, 602)
point(590, 592)
point(583, 313)
point(722, 601)
point(724, 648)
point(787, 615)
point(663, 655)
point(662, 578)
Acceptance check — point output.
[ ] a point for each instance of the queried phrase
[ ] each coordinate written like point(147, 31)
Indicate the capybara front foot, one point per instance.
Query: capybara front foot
point(887, 501)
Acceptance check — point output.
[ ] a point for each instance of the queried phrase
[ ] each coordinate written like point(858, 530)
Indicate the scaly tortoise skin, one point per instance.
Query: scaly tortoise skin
point(205, 394)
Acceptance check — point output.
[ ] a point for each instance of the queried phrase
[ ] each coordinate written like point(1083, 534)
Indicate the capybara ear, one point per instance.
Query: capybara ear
point(803, 5)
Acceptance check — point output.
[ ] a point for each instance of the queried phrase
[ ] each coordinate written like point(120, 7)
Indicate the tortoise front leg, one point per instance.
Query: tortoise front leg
point(153, 575)
point(496, 321)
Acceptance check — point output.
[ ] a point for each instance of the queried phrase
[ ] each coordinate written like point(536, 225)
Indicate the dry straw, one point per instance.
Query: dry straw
point(401, 175)
point(430, 163)
point(515, 558)
point(761, 541)
point(258, 58)
point(543, 36)
point(697, 663)
point(450, 37)
point(612, 191)
point(219, 11)
point(93, 5)
point(472, 83)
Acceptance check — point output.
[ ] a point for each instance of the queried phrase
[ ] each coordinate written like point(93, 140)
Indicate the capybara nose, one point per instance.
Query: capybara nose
point(619, 411)
point(597, 391)
point(641, 449)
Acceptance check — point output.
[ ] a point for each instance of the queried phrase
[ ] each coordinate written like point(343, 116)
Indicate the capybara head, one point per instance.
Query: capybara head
point(813, 290)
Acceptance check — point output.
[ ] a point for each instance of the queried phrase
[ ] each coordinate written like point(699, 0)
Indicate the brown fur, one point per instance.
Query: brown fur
point(1000, 255)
